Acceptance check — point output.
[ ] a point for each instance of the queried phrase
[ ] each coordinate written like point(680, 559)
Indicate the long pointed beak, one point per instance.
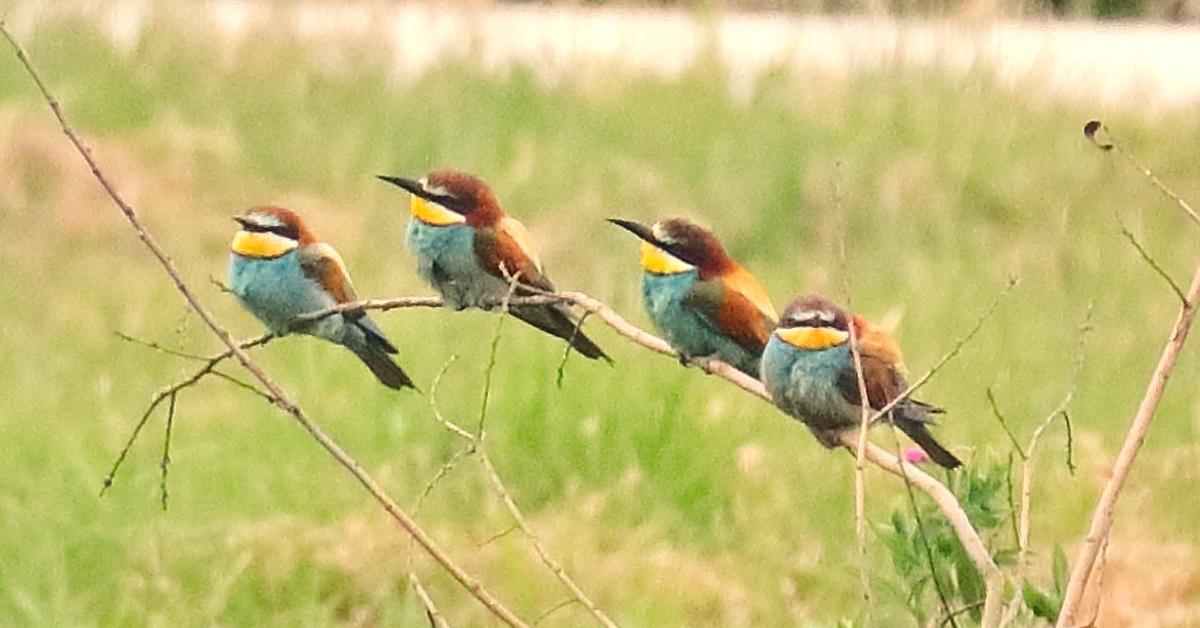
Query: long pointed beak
point(637, 229)
point(411, 186)
point(241, 220)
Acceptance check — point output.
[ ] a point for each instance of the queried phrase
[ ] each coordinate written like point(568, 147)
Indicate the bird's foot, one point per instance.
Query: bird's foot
point(702, 362)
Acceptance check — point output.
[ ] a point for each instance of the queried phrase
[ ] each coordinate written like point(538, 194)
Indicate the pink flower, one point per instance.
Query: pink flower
point(915, 455)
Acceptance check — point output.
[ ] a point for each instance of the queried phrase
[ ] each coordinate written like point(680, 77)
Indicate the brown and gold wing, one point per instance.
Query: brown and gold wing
point(731, 313)
point(506, 249)
point(322, 264)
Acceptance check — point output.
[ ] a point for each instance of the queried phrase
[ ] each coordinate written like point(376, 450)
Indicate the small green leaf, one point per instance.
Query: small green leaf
point(1040, 604)
point(1005, 557)
point(1060, 569)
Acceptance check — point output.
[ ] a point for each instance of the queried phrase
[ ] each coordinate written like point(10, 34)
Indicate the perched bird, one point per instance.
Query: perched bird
point(279, 271)
point(468, 249)
point(705, 303)
point(809, 370)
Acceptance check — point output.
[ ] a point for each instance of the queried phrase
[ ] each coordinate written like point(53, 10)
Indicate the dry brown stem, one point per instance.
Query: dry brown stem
point(1102, 517)
point(281, 399)
point(926, 483)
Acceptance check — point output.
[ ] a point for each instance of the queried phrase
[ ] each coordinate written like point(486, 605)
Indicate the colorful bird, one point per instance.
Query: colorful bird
point(705, 303)
point(279, 271)
point(809, 370)
point(468, 249)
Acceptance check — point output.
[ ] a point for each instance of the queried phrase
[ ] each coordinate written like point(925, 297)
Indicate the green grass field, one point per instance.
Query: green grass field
point(672, 497)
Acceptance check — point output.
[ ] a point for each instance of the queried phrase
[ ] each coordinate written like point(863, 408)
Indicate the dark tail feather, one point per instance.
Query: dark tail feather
point(921, 436)
point(557, 320)
point(386, 371)
point(371, 330)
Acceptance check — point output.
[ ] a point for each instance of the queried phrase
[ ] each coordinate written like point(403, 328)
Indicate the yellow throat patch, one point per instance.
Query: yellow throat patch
point(261, 245)
point(434, 214)
point(660, 262)
point(812, 338)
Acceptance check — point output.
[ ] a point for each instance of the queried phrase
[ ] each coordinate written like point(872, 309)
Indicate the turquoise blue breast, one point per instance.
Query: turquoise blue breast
point(446, 259)
point(690, 332)
point(276, 290)
point(804, 383)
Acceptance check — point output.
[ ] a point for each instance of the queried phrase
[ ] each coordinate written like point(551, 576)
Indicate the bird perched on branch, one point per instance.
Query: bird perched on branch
point(705, 303)
point(809, 370)
point(279, 271)
point(469, 250)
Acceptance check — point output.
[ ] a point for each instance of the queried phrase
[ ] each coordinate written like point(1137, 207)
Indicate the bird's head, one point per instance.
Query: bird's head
point(449, 197)
point(813, 323)
point(678, 245)
point(268, 232)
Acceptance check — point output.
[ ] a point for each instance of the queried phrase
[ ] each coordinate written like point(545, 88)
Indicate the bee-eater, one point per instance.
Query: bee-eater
point(468, 249)
point(705, 303)
point(279, 271)
point(809, 370)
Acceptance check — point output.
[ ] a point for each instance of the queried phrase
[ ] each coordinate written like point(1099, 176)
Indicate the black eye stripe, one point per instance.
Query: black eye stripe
point(450, 202)
point(281, 230)
point(821, 319)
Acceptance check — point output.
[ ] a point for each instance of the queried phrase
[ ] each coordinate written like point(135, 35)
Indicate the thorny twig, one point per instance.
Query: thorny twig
point(281, 399)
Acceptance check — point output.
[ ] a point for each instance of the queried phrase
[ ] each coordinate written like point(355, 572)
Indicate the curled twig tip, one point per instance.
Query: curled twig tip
point(1089, 131)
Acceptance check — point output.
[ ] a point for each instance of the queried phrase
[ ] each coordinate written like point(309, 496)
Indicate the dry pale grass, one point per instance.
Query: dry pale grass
point(1148, 582)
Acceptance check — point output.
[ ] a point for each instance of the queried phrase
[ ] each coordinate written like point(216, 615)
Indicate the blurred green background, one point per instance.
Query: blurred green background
point(672, 497)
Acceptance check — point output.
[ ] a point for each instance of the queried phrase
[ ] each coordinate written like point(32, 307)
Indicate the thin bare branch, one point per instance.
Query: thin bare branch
point(925, 544)
point(1094, 126)
point(282, 399)
point(476, 444)
point(1102, 517)
point(165, 462)
point(169, 392)
point(493, 350)
point(1150, 259)
point(991, 397)
point(499, 535)
point(949, 355)
point(1029, 466)
point(555, 567)
point(860, 467)
point(924, 482)
point(860, 477)
point(150, 344)
point(436, 619)
point(946, 501)
point(554, 609)
point(449, 465)
point(568, 346)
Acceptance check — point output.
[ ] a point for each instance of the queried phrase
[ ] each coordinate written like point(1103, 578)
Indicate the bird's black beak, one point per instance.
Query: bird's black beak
point(241, 220)
point(637, 229)
point(411, 186)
